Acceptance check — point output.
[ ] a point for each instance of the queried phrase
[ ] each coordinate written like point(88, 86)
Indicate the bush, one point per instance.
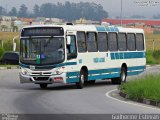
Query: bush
point(147, 87)
point(8, 46)
point(153, 57)
point(1, 52)
point(156, 54)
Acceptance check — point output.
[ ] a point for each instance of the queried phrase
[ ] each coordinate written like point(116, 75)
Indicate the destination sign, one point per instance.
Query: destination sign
point(42, 31)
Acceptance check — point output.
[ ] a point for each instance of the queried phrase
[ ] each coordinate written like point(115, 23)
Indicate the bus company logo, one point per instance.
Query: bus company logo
point(146, 3)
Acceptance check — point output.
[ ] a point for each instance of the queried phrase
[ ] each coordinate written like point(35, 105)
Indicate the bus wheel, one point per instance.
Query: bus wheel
point(43, 86)
point(82, 77)
point(122, 77)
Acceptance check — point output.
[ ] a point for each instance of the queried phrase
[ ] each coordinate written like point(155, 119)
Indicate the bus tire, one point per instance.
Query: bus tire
point(82, 77)
point(122, 78)
point(43, 86)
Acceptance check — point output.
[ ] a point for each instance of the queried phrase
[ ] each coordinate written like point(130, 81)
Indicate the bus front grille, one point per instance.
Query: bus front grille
point(41, 78)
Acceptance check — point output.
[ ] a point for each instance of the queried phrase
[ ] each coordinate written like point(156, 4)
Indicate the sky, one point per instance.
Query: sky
point(113, 7)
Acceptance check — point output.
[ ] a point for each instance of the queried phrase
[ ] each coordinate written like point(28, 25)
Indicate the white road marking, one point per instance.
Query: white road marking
point(130, 102)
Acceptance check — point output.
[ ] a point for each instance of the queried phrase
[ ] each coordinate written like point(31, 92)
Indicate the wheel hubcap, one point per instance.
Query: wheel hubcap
point(82, 79)
point(123, 76)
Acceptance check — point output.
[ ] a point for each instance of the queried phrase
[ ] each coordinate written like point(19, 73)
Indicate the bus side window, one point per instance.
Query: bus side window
point(81, 41)
point(73, 45)
point(91, 42)
point(112, 41)
point(122, 42)
point(131, 42)
point(139, 41)
point(102, 42)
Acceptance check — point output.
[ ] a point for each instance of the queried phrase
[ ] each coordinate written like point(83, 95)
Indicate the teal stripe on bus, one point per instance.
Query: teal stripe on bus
point(133, 73)
point(104, 73)
point(101, 29)
point(72, 80)
point(127, 55)
point(107, 29)
point(101, 71)
point(69, 74)
point(137, 68)
point(99, 77)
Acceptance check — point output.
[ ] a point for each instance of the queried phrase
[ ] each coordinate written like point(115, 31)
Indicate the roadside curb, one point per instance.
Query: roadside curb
point(4, 68)
point(141, 100)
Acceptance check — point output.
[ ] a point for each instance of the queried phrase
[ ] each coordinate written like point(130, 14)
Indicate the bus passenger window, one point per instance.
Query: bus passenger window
point(122, 42)
point(131, 42)
point(102, 42)
point(139, 42)
point(81, 40)
point(112, 41)
point(91, 42)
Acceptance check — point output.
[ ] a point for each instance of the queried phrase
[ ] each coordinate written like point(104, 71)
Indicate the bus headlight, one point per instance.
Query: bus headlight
point(60, 70)
point(24, 71)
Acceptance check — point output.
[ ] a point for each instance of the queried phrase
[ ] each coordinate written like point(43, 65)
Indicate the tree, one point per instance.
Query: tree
point(46, 10)
point(23, 11)
point(2, 11)
point(68, 11)
point(13, 12)
point(36, 11)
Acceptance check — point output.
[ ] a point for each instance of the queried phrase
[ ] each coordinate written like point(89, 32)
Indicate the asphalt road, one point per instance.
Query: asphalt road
point(59, 99)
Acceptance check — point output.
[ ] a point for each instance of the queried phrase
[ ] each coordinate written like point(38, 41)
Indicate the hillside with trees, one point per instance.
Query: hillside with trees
point(68, 11)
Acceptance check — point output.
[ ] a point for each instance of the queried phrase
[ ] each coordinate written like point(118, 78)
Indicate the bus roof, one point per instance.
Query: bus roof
point(93, 28)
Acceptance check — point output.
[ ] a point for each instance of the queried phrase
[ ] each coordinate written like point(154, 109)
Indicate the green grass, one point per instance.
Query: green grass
point(150, 37)
point(8, 65)
point(153, 57)
point(7, 38)
point(147, 87)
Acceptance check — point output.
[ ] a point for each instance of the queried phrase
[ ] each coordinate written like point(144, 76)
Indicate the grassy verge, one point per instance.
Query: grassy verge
point(8, 65)
point(153, 57)
point(147, 87)
point(8, 36)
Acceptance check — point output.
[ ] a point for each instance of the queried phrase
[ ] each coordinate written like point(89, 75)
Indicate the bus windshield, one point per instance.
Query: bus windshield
point(42, 51)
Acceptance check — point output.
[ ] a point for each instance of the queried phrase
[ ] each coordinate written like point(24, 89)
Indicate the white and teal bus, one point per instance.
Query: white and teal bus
point(65, 54)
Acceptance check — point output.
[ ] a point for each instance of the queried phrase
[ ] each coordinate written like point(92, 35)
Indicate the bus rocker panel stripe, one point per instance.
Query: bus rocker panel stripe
point(72, 80)
point(134, 73)
point(98, 77)
point(137, 68)
point(104, 73)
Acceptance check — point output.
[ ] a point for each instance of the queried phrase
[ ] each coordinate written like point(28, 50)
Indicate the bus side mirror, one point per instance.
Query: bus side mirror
point(68, 40)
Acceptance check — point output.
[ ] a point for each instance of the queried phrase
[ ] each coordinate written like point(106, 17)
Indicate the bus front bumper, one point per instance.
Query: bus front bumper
point(43, 79)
